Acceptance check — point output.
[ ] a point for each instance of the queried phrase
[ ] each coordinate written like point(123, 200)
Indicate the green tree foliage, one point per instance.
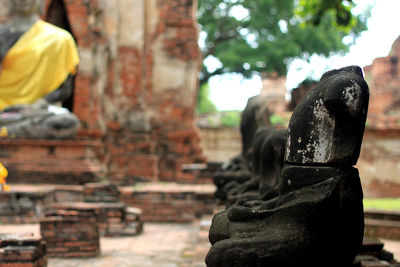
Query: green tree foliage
point(277, 120)
point(231, 118)
point(204, 104)
point(313, 11)
point(271, 33)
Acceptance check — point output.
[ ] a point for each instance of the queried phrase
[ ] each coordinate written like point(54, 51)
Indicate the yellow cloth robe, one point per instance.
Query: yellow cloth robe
point(3, 176)
point(37, 64)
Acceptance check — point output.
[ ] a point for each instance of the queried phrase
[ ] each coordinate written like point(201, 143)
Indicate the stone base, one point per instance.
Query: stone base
point(101, 192)
point(303, 227)
point(114, 219)
point(170, 202)
point(159, 202)
point(51, 161)
point(382, 224)
point(372, 254)
point(71, 232)
point(24, 205)
point(203, 172)
point(22, 250)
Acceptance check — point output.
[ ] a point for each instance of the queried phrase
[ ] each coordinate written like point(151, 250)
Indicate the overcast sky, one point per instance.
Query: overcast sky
point(231, 92)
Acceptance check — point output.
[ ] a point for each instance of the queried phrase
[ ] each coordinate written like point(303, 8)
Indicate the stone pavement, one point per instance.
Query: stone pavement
point(160, 245)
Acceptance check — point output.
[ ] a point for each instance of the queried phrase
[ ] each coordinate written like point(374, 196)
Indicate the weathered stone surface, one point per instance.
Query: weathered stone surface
point(318, 213)
point(268, 153)
point(238, 169)
point(22, 250)
point(271, 163)
point(71, 230)
point(234, 172)
point(328, 125)
point(101, 192)
point(302, 228)
point(372, 253)
point(255, 115)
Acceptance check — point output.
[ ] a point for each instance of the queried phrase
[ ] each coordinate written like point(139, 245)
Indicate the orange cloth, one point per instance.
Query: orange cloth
point(3, 176)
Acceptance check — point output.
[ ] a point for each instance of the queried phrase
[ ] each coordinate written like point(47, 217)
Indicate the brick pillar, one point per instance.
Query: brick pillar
point(71, 231)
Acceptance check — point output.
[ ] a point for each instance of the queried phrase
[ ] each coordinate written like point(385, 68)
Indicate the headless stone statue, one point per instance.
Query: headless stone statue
point(254, 116)
point(37, 63)
point(238, 169)
point(317, 218)
point(268, 154)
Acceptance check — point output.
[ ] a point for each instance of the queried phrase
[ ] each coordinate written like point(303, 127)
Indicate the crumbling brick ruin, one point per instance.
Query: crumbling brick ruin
point(134, 91)
point(379, 157)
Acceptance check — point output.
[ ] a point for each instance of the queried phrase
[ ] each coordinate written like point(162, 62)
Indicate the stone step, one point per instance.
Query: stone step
point(170, 202)
point(22, 250)
point(379, 228)
point(382, 215)
point(159, 202)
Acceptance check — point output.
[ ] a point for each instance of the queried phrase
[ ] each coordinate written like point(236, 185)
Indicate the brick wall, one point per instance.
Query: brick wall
point(166, 202)
point(143, 100)
point(220, 143)
point(384, 83)
point(170, 202)
point(52, 161)
point(24, 206)
point(71, 232)
point(379, 163)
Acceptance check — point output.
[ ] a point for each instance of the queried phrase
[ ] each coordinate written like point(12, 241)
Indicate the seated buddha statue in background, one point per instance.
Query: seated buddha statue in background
point(37, 64)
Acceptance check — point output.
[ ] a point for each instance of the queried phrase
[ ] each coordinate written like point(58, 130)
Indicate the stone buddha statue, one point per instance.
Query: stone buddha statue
point(37, 64)
point(317, 218)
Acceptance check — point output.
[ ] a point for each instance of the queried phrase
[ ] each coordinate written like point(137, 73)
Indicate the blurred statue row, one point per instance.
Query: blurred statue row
point(295, 198)
point(38, 61)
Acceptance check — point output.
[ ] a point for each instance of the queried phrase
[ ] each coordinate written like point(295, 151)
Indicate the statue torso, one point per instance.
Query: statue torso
point(7, 39)
point(332, 121)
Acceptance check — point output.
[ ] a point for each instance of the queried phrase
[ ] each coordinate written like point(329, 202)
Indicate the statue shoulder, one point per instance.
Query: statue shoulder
point(7, 40)
point(347, 93)
point(51, 28)
point(4, 30)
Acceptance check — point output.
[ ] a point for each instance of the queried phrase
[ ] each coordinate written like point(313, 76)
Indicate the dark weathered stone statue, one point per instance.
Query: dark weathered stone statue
point(238, 169)
point(37, 63)
point(268, 153)
point(317, 219)
point(255, 115)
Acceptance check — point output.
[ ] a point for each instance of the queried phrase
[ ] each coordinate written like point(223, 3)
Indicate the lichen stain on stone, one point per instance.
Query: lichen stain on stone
point(321, 135)
point(352, 97)
point(288, 145)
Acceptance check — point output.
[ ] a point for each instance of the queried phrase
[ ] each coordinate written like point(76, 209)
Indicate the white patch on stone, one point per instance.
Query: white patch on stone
point(303, 155)
point(299, 140)
point(352, 99)
point(321, 135)
point(288, 145)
